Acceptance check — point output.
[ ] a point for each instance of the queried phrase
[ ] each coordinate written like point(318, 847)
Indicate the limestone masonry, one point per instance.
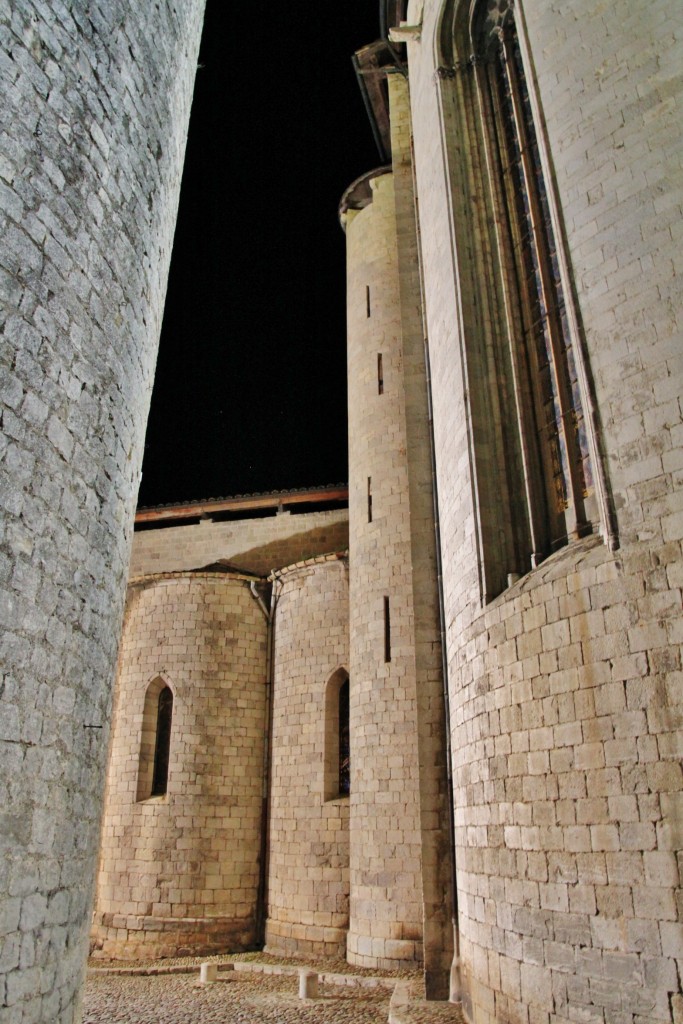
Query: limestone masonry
point(95, 104)
point(443, 728)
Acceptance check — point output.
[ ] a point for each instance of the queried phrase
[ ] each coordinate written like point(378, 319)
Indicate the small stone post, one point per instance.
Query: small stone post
point(308, 984)
point(208, 973)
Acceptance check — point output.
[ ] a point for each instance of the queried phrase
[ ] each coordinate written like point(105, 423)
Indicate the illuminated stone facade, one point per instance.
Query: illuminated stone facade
point(512, 627)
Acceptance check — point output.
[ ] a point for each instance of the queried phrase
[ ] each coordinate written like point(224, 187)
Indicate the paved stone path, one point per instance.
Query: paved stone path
point(236, 998)
point(256, 988)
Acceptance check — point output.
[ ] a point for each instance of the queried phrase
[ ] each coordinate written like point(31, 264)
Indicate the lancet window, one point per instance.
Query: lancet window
point(163, 742)
point(155, 741)
point(337, 736)
point(344, 741)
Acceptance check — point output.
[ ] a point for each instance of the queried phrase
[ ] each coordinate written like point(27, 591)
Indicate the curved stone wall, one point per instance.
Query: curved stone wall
point(308, 887)
point(567, 796)
point(95, 106)
point(179, 873)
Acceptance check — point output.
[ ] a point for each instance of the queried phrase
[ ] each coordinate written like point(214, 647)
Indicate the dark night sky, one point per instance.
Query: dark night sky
point(250, 393)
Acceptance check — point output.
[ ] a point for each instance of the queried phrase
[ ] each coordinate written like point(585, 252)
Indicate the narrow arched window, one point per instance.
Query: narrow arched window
point(155, 740)
point(163, 742)
point(337, 752)
point(344, 741)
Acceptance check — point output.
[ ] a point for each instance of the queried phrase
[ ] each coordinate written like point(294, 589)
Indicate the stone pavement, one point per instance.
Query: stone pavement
point(253, 993)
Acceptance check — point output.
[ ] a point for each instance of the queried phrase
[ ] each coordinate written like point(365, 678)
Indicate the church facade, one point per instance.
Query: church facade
point(443, 729)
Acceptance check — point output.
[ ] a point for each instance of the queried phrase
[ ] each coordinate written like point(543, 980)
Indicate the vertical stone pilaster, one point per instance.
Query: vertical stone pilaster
point(431, 724)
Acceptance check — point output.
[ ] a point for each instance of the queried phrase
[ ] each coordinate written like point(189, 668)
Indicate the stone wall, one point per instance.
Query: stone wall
point(179, 872)
point(566, 689)
point(96, 100)
point(253, 545)
point(308, 856)
point(567, 785)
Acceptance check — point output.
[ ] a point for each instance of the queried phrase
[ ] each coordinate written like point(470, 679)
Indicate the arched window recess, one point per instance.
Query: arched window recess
point(155, 741)
point(536, 472)
point(337, 755)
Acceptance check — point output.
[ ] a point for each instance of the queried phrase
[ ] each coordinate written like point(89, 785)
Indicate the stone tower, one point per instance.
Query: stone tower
point(399, 864)
point(515, 543)
point(96, 100)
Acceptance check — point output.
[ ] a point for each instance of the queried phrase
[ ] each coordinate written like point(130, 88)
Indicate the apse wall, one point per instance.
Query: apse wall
point(308, 846)
point(95, 106)
point(179, 870)
point(565, 689)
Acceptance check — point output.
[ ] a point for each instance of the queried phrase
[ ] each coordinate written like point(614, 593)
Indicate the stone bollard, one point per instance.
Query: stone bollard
point(308, 984)
point(208, 973)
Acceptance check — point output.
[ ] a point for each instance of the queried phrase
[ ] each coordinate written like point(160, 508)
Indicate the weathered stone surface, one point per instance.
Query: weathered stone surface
point(308, 883)
point(96, 101)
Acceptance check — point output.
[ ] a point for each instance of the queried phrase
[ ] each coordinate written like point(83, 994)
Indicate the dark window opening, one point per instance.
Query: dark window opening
point(369, 499)
point(367, 300)
point(387, 631)
point(163, 742)
point(380, 375)
point(344, 741)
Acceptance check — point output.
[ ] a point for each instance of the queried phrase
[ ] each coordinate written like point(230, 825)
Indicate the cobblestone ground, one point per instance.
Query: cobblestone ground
point(238, 998)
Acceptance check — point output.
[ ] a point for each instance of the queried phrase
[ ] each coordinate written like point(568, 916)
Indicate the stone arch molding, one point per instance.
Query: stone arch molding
point(148, 733)
point(333, 685)
point(455, 26)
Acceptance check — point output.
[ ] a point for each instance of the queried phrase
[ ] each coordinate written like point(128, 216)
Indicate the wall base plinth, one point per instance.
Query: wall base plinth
point(383, 954)
point(133, 937)
point(286, 938)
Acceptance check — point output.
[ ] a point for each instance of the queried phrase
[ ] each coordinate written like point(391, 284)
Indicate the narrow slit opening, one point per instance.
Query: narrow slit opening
point(387, 631)
point(367, 300)
point(369, 499)
point(380, 374)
